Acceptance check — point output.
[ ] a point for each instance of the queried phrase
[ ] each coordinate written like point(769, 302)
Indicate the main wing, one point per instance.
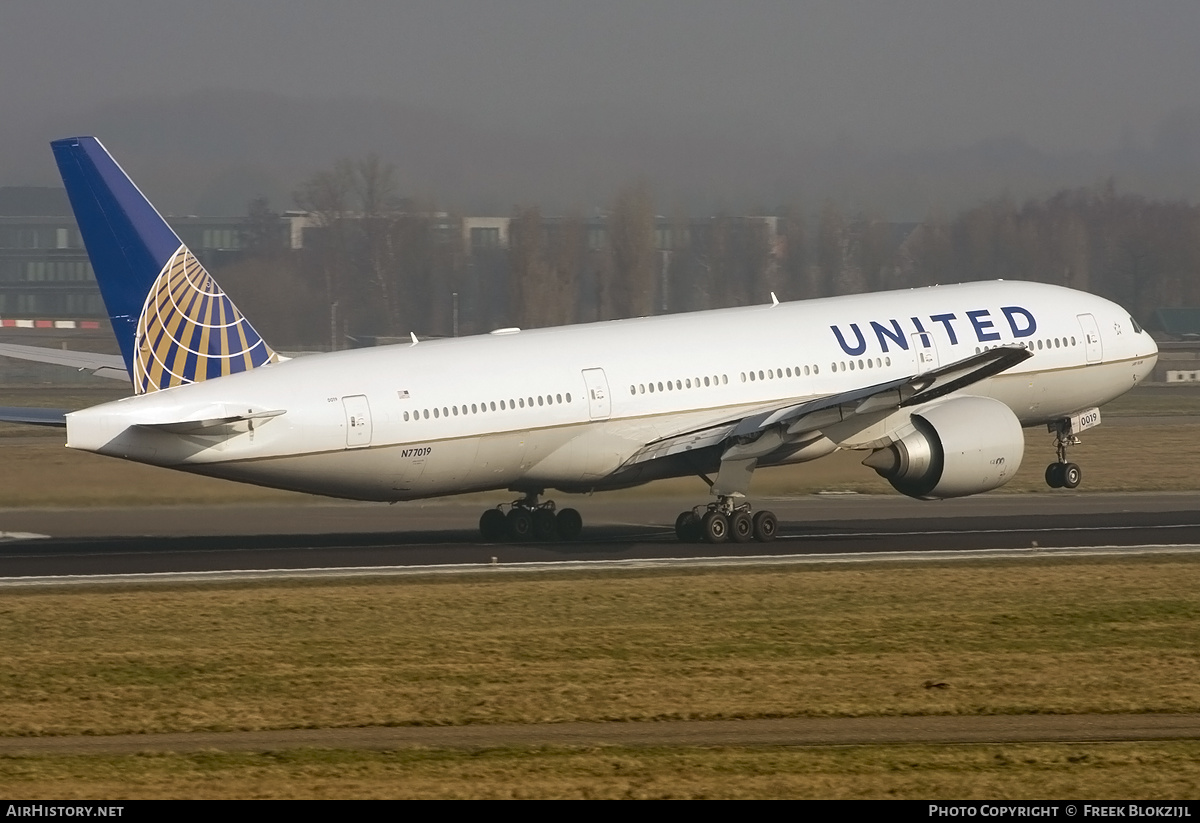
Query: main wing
point(790, 423)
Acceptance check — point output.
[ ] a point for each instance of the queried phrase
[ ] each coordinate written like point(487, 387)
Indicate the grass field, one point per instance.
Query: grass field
point(1039, 636)
point(1148, 771)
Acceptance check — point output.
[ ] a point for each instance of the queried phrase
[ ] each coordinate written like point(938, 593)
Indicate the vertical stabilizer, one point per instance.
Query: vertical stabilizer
point(173, 322)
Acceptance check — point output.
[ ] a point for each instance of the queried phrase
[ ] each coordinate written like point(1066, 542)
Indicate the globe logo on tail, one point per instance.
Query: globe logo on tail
point(190, 331)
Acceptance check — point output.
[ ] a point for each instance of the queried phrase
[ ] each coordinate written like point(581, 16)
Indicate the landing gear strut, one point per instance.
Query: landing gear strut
point(1063, 475)
point(725, 520)
point(527, 519)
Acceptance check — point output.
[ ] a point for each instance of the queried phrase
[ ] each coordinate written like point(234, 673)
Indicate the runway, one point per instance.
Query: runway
point(331, 535)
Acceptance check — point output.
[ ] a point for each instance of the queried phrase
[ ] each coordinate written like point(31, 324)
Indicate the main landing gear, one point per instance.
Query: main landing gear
point(724, 520)
point(1063, 475)
point(527, 519)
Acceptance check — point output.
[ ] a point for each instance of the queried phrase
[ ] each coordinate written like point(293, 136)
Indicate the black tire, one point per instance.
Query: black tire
point(544, 525)
point(519, 524)
point(687, 527)
point(765, 526)
point(1071, 475)
point(570, 524)
point(491, 525)
point(1054, 476)
point(741, 527)
point(714, 528)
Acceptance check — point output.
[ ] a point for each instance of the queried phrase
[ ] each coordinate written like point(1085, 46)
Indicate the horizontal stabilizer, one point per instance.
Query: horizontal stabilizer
point(101, 365)
point(34, 417)
point(210, 423)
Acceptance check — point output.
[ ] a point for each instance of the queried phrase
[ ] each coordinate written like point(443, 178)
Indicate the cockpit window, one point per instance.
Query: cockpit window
point(1136, 328)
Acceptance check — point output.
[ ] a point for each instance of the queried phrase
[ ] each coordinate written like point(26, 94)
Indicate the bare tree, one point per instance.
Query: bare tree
point(631, 239)
point(375, 187)
point(831, 249)
point(326, 197)
point(530, 274)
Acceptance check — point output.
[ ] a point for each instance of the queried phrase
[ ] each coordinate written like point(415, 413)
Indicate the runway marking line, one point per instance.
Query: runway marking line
point(594, 565)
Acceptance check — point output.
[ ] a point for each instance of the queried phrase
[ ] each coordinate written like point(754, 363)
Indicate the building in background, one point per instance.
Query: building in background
point(45, 274)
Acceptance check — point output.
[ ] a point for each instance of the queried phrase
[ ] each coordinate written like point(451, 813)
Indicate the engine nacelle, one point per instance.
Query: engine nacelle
point(962, 446)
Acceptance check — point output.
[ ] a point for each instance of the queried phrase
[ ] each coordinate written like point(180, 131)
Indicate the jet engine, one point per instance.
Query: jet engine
point(961, 446)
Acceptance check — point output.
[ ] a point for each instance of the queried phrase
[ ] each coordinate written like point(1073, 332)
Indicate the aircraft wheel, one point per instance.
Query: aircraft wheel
point(1071, 475)
point(687, 527)
point(714, 528)
point(544, 525)
point(741, 527)
point(519, 524)
point(570, 524)
point(765, 527)
point(491, 525)
point(1054, 475)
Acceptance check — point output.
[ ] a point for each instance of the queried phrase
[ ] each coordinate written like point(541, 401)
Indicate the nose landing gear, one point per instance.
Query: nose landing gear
point(1063, 475)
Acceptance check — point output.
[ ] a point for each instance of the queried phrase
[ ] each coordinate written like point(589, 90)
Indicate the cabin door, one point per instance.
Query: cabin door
point(925, 351)
point(1091, 338)
point(599, 405)
point(358, 421)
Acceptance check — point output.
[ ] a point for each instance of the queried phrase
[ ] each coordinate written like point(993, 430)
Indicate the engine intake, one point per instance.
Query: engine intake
point(959, 447)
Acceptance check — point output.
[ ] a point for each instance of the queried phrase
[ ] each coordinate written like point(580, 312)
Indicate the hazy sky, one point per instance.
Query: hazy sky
point(1064, 74)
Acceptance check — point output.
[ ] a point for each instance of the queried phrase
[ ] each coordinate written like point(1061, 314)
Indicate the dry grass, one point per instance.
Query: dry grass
point(1035, 636)
point(1031, 771)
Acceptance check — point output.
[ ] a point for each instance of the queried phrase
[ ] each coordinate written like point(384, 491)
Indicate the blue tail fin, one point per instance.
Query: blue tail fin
point(172, 321)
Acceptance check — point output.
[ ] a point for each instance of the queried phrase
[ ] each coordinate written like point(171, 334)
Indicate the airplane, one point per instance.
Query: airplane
point(934, 385)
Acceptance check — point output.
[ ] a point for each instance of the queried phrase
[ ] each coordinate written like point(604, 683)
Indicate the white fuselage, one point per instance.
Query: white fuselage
point(568, 407)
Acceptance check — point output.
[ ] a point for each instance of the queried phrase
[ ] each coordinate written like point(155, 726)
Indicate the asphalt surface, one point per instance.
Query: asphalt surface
point(352, 535)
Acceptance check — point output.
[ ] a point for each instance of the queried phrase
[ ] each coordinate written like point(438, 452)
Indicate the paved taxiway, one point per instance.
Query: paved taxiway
point(331, 535)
